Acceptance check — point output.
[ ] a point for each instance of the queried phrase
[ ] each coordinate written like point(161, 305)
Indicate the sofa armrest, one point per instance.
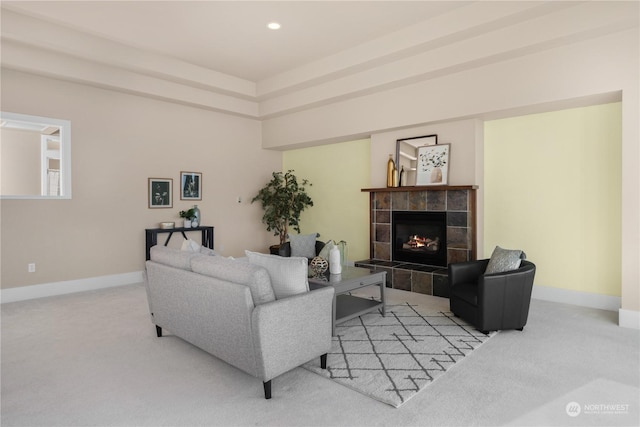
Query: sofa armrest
point(292, 331)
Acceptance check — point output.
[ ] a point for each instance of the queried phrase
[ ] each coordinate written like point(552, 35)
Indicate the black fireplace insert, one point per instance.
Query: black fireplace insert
point(420, 237)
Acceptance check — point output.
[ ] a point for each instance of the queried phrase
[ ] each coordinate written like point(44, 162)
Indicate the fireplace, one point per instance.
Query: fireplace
point(419, 237)
point(450, 208)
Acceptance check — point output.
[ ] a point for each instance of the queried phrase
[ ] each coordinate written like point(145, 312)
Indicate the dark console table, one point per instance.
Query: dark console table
point(152, 236)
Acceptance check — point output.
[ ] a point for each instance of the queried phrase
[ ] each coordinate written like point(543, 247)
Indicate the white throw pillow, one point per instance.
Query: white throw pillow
point(190, 245)
point(288, 275)
point(303, 245)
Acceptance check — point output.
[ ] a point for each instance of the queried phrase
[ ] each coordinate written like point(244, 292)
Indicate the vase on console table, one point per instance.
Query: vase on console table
point(195, 220)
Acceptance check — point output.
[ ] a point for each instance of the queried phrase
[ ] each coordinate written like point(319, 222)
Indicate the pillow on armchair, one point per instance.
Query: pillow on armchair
point(504, 260)
point(303, 245)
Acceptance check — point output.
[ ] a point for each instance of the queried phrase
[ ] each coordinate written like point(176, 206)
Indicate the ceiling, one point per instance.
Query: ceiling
point(232, 37)
point(220, 55)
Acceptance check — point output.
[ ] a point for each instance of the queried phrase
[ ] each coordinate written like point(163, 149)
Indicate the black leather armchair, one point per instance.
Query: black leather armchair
point(491, 302)
point(285, 249)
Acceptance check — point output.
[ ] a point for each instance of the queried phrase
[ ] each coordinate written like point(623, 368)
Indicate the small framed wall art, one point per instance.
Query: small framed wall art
point(433, 165)
point(160, 193)
point(190, 186)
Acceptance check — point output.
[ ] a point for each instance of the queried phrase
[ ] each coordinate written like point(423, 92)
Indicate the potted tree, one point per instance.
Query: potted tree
point(283, 200)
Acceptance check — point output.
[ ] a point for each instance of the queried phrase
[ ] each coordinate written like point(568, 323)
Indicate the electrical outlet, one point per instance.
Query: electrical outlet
point(31, 267)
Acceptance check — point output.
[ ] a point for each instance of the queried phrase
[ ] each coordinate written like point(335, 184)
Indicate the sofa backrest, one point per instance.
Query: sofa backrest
point(172, 257)
point(256, 278)
point(253, 276)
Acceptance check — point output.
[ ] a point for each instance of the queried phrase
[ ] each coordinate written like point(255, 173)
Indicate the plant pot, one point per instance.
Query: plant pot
point(187, 223)
point(274, 249)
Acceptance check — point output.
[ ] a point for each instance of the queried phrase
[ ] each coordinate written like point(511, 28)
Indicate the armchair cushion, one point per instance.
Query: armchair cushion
point(289, 276)
point(504, 260)
point(303, 245)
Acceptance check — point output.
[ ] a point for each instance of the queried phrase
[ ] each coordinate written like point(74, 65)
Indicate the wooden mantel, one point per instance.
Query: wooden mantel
point(421, 188)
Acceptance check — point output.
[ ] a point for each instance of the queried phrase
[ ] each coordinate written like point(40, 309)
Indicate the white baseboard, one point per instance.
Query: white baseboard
point(70, 286)
point(629, 319)
point(583, 299)
point(626, 318)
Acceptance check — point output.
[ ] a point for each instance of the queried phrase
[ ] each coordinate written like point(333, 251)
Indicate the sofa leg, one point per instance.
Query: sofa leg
point(267, 389)
point(323, 361)
point(158, 331)
point(520, 329)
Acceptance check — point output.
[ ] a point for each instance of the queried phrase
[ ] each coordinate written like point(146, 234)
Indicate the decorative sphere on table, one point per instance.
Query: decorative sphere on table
point(318, 265)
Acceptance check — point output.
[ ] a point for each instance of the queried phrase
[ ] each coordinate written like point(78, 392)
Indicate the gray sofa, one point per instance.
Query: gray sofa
point(229, 309)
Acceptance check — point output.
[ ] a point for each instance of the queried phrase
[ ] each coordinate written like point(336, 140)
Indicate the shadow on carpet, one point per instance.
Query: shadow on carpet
point(392, 358)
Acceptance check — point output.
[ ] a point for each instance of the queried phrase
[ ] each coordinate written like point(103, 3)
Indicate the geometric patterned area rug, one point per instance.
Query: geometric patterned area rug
point(392, 358)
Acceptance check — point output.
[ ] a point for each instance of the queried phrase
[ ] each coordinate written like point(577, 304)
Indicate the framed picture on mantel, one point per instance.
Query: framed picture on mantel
point(433, 165)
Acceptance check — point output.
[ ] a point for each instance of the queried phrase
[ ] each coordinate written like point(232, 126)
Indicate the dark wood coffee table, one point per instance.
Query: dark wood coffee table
point(346, 306)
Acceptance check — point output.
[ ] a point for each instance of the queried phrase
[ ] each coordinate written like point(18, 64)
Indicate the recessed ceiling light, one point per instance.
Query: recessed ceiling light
point(273, 26)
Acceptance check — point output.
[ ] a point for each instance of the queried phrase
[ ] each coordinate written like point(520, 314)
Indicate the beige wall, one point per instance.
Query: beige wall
point(20, 157)
point(118, 141)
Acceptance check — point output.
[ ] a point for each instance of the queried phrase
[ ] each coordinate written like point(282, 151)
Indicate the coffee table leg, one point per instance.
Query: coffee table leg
point(383, 285)
point(333, 316)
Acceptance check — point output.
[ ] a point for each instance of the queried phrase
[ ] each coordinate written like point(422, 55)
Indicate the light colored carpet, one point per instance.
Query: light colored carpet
point(394, 357)
point(93, 359)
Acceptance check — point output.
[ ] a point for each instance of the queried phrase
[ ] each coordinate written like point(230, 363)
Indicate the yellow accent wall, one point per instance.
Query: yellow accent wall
point(340, 210)
point(553, 188)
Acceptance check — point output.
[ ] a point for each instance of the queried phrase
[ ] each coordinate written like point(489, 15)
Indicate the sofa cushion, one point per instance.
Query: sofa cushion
point(504, 260)
point(172, 257)
point(303, 245)
point(288, 274)
point(244, 273)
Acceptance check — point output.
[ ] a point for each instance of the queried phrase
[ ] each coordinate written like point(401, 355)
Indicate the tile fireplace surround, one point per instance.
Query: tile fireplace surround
point(459, 203)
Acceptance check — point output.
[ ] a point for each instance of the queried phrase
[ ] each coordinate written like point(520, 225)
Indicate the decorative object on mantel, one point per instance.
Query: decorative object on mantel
point(318, 266)
point(160, 193)
point(408, 362)
point(392, 173)
point(407, 156)
point(283, 200)
point(433, 165)
point(167, 225)
point(190, 186)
